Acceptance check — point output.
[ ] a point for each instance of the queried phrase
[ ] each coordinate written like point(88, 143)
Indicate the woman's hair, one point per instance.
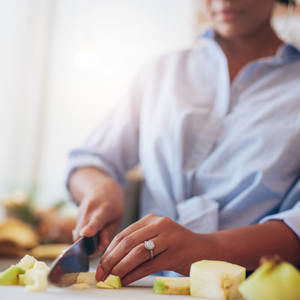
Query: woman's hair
point(287, 2)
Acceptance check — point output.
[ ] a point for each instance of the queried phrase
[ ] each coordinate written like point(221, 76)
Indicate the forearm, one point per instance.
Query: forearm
point(244, 246)
point(84, 180)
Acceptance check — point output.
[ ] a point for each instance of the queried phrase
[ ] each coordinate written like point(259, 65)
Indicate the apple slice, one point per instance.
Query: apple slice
point(11, 275)
point(86, 277)
point(113, 281)
point(274, 280)
point(172, 285)
point(40, 282)
point(21, 279)
point(103, 285)
point(27, 262)
point(30, 274)
point(216, 279)
point(81, 286)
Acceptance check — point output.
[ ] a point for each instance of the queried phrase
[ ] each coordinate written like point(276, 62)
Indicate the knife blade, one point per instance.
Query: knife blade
point(65, 269)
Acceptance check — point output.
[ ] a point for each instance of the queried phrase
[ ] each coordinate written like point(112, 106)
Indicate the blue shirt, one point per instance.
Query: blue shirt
point(214, 155)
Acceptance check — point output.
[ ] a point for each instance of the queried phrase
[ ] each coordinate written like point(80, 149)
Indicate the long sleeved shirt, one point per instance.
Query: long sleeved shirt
point(215, 155)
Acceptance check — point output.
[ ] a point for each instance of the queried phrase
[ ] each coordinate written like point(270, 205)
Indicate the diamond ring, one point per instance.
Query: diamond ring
point(149, 245)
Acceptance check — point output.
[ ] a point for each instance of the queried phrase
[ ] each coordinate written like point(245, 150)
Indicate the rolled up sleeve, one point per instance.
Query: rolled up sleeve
point(290, 217)
point(113, 146)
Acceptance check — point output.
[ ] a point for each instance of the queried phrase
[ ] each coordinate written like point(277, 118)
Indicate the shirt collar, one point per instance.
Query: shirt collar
point(287, 52)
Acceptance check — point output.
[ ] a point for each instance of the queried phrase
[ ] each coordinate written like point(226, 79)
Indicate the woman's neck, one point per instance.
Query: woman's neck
point(242, 50)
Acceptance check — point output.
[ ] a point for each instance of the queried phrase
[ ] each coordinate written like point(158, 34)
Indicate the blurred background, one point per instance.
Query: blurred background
point(63, 66)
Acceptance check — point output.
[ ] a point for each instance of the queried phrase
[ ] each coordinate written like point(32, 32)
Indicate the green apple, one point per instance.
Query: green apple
point(216, 280)
point(172, 285)
point(11, 275)
point(274, 280)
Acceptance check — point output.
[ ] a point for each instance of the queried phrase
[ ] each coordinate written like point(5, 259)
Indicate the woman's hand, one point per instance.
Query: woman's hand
point(101, 205)
point(176, 248)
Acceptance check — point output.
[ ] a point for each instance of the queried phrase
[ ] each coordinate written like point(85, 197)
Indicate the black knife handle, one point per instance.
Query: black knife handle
point(90, 243)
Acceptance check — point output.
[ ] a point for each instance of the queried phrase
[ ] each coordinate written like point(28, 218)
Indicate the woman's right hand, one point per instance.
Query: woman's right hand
point(101, 206)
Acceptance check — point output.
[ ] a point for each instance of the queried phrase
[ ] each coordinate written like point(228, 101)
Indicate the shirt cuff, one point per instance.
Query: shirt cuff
point(82, 161)
point(290, 217)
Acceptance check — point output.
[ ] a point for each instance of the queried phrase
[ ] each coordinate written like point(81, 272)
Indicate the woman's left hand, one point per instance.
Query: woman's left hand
point(176, 248)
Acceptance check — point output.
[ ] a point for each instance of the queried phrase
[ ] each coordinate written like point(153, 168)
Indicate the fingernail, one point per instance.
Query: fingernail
point(74, 234)
point(99, 273)
point(85, 231)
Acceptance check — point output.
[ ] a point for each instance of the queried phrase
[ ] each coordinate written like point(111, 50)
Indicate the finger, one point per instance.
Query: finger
point(95, 224)
point(138, 256)
point(124, 246)
point(79, 224)
point(106, 235)
point(157, 264)
point(126, 232)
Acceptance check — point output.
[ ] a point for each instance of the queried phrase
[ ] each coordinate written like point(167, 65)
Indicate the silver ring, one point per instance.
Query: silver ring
point(149, 245)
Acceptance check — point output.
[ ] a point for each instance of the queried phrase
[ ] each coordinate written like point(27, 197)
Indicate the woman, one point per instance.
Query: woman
point(217, 131)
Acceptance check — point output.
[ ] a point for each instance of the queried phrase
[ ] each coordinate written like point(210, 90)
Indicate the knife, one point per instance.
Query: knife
point(65, 269)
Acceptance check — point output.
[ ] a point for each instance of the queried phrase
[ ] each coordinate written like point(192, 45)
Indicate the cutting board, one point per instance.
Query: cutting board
point(141, 289)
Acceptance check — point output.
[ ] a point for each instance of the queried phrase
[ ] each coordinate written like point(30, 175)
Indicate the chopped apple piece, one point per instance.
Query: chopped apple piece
point(81, 286)
point(216, 280)
point(172, 285)
point(113, 281)
point(27, 262)
point(87, 277)
point(11, 275)
point(274, 280)
point(40, 282)
point(40, 265)
point(21, 279)
point(29, 276)
point(103, 285)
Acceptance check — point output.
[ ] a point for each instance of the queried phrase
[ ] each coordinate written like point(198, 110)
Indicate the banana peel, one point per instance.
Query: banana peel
point(9, 249)
point(17, 232)
point(48, 251)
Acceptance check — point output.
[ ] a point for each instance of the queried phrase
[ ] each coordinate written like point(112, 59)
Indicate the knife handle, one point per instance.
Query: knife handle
point(90, 243)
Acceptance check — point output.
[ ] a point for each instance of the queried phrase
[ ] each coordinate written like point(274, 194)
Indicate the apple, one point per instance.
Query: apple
point(40, 281)
point(86, 277)
point(172, 285)
point(103, 285)
point(111, 280)
point(27, 262)
point(11, 275)
point(216, 279)
point(274, 280)
point(81, 286)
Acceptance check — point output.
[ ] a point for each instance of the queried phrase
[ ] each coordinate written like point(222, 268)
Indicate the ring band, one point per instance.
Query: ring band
point(149, 245)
